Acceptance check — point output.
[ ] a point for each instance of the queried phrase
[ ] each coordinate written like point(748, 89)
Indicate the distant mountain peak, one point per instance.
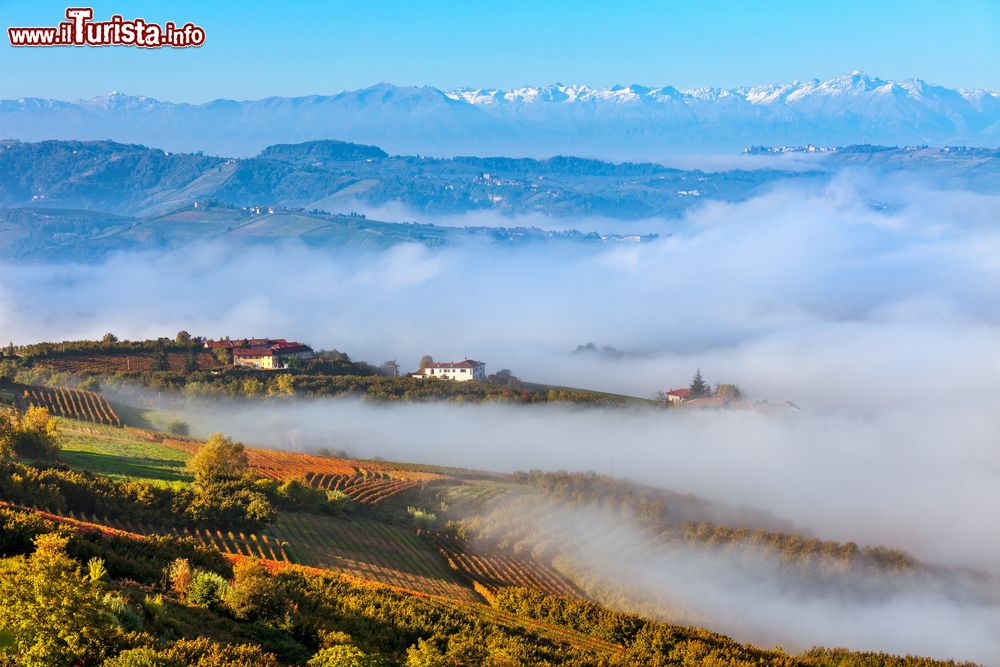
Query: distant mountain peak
point(118, 100)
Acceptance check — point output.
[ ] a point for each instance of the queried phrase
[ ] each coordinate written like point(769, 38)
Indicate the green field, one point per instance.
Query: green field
point(122, 454)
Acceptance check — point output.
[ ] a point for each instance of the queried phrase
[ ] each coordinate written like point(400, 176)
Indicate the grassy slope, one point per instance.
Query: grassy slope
point(122, 454)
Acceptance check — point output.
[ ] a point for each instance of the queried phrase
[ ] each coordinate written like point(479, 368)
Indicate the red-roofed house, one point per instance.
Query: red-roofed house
point(460, 371)
point(274, 354)
point(678, 395)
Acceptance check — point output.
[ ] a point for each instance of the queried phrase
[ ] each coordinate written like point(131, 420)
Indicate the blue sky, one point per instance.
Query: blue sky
point(255, 48)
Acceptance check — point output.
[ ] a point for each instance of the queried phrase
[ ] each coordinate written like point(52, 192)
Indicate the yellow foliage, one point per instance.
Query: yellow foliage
point(53, 613)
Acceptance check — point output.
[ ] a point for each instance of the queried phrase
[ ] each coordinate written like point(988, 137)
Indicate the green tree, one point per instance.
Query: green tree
point(426, 361)
point(255, 595)
point(109, 338)
point(183, 337)
point(699, 388)
point(219, 459)
point(178, 427)
point(207, 589)
point(161, 359)
point(91, 383)
point(284, 385)
point(252, 386)
point(223, 355)
point(191, 360)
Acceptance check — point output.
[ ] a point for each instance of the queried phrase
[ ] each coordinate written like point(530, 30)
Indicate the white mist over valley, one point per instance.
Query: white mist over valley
point(880, 323)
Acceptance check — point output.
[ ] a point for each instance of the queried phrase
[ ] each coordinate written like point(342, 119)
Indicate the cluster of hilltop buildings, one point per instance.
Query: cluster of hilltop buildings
point(276, 353)
point(683, 397)
point(261, 353)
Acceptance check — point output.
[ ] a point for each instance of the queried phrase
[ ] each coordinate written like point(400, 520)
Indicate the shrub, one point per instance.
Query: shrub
point(32, 433)
point(127, 617)
point(207, 589)
point(178, 427)
point(422, 518)
point(345, 656)
point(295, 494)
point(141, 657)
point(179, 575)
point(255, 595)
point(201, 651)
point(337, 500)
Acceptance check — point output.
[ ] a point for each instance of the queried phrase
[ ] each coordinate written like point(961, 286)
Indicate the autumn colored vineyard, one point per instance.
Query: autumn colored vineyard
point(553, 632)
point(242, 544)
point(366, 489)
point(70, 403)
point(131, 362)
point(494, 570)
point(369, 550)
point(362, 549)
point(365, 482)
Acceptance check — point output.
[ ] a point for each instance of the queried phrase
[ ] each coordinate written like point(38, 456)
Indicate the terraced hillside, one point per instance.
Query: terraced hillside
point(71, 403)
point(252, 545)
point(491, 570)
point(370, 550)
point(368, 489)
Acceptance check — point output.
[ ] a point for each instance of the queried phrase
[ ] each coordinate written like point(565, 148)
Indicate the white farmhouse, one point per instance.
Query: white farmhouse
point(460, 371)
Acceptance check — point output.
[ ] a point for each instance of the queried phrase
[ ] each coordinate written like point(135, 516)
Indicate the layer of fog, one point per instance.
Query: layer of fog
point(400, 212)
point(749, 595)
point(881, 322)
point(910, 478)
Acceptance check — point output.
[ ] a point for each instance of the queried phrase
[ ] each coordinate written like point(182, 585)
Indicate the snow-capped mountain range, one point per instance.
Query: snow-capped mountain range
point(618, 122)
point(856, 85)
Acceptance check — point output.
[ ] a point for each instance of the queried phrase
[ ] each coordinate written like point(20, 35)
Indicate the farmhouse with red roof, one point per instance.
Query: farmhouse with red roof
point(678, 395)
point(262, 353)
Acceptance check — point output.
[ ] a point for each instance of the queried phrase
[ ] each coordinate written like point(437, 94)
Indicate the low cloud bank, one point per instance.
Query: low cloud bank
point(748, 594)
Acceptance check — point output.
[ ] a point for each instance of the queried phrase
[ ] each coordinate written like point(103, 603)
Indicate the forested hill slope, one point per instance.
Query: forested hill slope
point(129, 179)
